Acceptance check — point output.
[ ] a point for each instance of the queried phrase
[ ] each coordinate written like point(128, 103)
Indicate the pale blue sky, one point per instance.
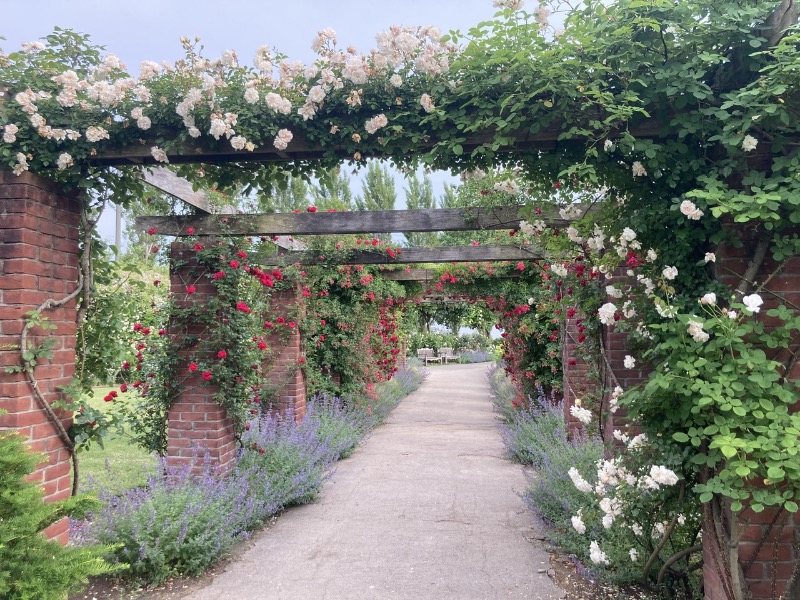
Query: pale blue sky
point(150, 29)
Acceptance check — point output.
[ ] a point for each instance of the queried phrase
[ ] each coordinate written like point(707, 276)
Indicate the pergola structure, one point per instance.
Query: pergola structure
point(41, 227)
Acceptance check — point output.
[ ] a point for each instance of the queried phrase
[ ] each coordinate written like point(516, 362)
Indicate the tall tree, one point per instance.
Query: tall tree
point(377, 192)
point(295, 196)
point(419, 195)
point(332, 191)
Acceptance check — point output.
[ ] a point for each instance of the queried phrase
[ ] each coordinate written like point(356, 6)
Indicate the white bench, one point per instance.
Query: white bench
point(426, 355)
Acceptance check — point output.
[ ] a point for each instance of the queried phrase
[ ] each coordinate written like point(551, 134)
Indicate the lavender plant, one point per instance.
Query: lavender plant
point(183, 523)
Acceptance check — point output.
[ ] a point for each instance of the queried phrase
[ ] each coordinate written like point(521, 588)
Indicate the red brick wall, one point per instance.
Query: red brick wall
point(196, 423)
point(39, 232)
point(578, 381)
point(778, 553)
point(283, 373)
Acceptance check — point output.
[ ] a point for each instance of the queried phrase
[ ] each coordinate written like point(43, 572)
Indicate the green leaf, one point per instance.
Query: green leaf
point(790, 506)
point(680, 437)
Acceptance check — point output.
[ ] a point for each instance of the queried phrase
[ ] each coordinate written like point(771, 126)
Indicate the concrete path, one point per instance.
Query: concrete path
point(428, 508)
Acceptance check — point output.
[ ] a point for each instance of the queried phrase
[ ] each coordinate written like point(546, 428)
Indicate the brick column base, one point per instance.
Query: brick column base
point(197, 425)
point(285, 381)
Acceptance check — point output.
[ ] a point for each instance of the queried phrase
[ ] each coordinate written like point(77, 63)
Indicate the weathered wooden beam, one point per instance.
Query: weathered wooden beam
point(410, 275)
point(166, 181)
point(373, 221)
point(439, 254)
point(428, 275)
point(300, 149)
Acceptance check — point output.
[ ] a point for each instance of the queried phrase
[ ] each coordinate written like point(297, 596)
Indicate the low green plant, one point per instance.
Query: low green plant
point(30, 565)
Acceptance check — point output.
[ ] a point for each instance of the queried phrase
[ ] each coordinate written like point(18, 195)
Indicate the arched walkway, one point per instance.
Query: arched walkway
point(427, 509)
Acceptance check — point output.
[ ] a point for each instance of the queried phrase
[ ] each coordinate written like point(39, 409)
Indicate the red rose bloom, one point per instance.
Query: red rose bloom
point(190, 289)
point(207, 375)
point(190, 230)
point(193, 366)
point(222, 354)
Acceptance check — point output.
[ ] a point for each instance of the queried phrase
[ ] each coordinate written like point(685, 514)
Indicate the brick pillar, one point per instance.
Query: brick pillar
point(39, 232)
point(196, 423)
point(777, 555)
point(285, 380)
point(403, 362)
point(578, 382)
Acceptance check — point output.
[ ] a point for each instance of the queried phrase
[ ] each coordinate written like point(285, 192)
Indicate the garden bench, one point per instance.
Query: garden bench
point(447, 354)
point(426, 354)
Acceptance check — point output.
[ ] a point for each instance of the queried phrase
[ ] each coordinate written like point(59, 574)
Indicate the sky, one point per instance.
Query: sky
point(142, 30)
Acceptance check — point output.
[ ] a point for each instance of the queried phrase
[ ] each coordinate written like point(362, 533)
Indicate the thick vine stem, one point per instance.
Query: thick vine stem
point(31, 377)
point(754, 266)
point(664, 538)
point(675, 558)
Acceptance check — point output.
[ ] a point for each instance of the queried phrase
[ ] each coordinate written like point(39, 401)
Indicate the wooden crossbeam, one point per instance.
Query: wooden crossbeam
point(439, 254)
point(300, 149)
point(410, 275)
point(429, 275)
point(373, 221)
point(166, 181)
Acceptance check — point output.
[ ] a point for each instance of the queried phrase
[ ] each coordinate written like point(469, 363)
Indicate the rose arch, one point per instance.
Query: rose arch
point(652, 147)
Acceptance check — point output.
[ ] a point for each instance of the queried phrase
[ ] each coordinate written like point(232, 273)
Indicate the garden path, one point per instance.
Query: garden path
point(428, 508)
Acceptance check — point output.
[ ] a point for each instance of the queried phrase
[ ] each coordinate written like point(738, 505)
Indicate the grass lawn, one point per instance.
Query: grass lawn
point(119, 465)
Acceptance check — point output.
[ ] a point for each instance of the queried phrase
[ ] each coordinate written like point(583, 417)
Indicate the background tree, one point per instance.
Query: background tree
point(295, 196)
point(377, 192)
point(419, 195)
point(332, 191)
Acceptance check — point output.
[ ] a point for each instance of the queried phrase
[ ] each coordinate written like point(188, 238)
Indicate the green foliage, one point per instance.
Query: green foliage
point(726, 401)
point(30, 566)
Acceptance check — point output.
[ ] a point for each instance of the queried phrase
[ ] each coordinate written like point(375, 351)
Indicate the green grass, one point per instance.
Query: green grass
point(120, 464)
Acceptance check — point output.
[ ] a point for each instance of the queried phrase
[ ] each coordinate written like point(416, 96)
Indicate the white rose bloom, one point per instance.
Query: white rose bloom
point(652, 255)
point(663, 476)
point(251, 95)
point(609, 146)
point(749, 143)
point(634, 554)
point(753, 302)
point(597, 556)
point(143, 123)
point(238, 142)
point(396, 80)
point(64, 161)
point(427, 103)
point(670, 273)
point(159, 154)
point(580, 413)
point(10, 133)
point(695, 329)
point(638, 442)
point(638, 169)
point(282, 139)
point(637, 529)
point(709, 298)
point(578, 524)
point(606, 313)
point(710, 257)
point(613, 292)
point(578, 481)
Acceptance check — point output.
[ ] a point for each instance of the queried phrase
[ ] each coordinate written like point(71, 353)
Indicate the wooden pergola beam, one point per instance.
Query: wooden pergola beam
point(439, 254)
point(168, 182)
point(371, 221)
point(429, 275)
point(300, 149)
